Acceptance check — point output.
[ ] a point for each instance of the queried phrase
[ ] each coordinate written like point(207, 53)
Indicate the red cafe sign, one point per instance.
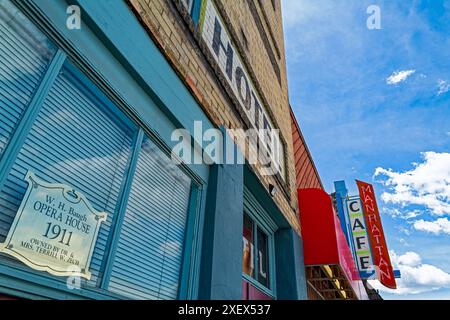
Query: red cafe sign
point(381, 259)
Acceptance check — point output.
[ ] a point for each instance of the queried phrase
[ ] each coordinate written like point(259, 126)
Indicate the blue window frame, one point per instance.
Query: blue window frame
point(195, 10)
point(53, 135)
point(258, 246)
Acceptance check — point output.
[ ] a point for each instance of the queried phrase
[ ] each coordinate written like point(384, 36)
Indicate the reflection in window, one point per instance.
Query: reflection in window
point(76, 140)
point(148, 258)
point(248, 247)
point(25, 54)
point(263, 259)
point(255, 252)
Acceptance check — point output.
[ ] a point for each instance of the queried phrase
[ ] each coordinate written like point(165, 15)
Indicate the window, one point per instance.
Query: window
point(263, 258)
point(149, 254)
point(76, 140)
point(256, 254)
point(25, 55)
point(248, 260)
point(77, 136)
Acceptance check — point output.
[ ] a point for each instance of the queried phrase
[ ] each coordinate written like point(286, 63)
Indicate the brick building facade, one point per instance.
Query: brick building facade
point(256, 29)
point(92, 110)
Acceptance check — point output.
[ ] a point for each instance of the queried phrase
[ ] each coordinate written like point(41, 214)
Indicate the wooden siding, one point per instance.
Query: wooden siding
point(305, 169)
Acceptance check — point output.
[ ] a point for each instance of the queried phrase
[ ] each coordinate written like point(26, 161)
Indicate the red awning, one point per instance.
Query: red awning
point(325, 244)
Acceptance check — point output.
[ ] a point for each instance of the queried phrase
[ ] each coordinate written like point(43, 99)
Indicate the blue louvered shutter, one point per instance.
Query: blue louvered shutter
point(148, 258)
point(76, 140)
point(25, 54)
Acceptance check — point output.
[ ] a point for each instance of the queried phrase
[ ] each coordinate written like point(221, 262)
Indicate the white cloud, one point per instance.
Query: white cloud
point(427, 184)
point(437, 227)
point(399, 76)
point(402, 230)
point(295, 12)
point(403, 242)
point(444, 87)
point(410, 259)
point(397, 213)
point(416, 277)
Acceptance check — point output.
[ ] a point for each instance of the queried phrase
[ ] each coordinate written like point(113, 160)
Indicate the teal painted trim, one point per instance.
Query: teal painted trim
point(25, 283)
point(258, 213)
point(221, 255)
point(196, 11)
point(88, 87)
point(273, 266)
point(258, 286)
point(291, 280)
point(115, 233)
point(194, 276)
point(263, 197)
point(24, 126)
point(15, 292)
point(186, 285)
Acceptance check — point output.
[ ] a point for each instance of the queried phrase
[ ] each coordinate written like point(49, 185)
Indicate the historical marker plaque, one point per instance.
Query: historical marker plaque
point(55, 229)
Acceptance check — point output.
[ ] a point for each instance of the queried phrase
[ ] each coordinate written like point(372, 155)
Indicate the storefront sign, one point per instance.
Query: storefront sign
point(358, 233)
point(55, 229)
point(381, 259)
point(215, 35)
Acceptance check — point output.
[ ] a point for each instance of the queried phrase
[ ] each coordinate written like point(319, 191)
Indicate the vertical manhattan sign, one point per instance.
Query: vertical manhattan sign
point(225, 54)
point(381, 259)
point(54, 230)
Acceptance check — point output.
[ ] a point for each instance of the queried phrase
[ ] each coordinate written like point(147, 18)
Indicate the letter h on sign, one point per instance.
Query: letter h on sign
point(217, 44)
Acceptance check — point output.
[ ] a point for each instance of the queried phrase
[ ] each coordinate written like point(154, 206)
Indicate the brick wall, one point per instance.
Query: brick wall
point(169, 25)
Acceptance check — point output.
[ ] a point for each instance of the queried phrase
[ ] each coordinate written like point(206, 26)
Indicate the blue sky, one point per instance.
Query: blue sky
point(374, 105)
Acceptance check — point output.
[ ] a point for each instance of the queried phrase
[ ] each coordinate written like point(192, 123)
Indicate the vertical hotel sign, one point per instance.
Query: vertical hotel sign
point(381, 259)
point(225, 54)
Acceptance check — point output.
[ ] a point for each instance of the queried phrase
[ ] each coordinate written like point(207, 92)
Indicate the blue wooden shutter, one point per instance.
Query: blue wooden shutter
point(25, 54)
point(76, 140)
point(148, 258)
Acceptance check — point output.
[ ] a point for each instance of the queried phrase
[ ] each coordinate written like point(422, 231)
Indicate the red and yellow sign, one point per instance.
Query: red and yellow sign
point(381, 259)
